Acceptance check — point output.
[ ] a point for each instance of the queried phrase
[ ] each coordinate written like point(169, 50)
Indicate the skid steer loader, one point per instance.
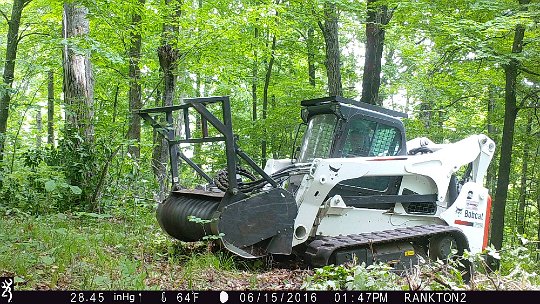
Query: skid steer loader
point(355, 189)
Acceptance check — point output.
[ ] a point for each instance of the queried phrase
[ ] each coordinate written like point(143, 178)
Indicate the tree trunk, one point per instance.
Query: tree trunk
point(135, 102)
point(168, 61)
point(265, 97)
point(536, 179)
point(50, 109)
point(79, 102)
point(510, 113)
point(9, 68)
point(311, 55)
point(254, 78)
point(78, 78)
point(492, 133)
point(538, 229)
point(523, 183)
point(331, 40)
point(39, 127)
point(377, 18)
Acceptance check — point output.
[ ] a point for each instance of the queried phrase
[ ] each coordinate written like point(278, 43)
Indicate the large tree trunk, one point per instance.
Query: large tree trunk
point(79, 98)
point(168, 61)
point(50, 109)
point(331, 40)
point(510, 114)
point(377, 18)
point(9, 68)
point(135, 102)
point(78, 78)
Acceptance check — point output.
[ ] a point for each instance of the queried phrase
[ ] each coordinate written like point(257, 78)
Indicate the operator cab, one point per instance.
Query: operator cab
point(338, 127)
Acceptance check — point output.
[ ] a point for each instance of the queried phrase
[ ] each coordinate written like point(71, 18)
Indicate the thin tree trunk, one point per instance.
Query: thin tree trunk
point(523, 182)
point(311, 55)
point(377, 18)
point(115, 103)
point(9, 68)
point(50, 109)
point(537, 178)
point(538, 229)
point(265, 97)
point(254, 78)
point(39, 127)
point(510, 114)
point(492, 133)
point(331, 39)
point(135, 102)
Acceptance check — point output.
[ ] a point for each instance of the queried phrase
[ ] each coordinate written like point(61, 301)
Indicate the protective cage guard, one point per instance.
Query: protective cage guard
point(239, 218)
point(223, 126)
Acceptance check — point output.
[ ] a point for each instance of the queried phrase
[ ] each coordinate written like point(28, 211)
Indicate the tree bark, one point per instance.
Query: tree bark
point(135, 102)
point(50, 109)
point(254, 78)
point(39, 127)
point(331, 40)
point(168, 56)
point(536, 178)
point(523, 182)
point(492, 133)
point(377, 18)
point(510, 114)
point(311, 55)
point(78, 78)
point(265, 98)
point(79, 100)
point(9, 68)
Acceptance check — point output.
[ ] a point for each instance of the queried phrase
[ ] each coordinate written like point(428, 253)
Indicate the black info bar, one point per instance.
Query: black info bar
point(253, 296)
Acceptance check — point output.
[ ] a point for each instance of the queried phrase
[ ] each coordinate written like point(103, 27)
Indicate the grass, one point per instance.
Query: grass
point(127, 250)
point(86, 251)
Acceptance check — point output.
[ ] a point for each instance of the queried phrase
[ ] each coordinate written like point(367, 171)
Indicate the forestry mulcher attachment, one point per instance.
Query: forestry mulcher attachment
point(355, 189)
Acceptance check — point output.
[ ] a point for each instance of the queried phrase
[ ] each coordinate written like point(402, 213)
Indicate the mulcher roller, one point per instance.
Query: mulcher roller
point(173, 215)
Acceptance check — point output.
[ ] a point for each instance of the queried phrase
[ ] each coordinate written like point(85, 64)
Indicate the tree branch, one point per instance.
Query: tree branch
point(26, 3)
point(530, 95)
point(456, 100)
point(528, 71)
point(26, 35)
point(4, 14)
point(321, 26)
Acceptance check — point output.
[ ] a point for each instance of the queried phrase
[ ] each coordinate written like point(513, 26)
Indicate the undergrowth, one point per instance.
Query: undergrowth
point(90, 251)
point(518, 271)
point(126, 250)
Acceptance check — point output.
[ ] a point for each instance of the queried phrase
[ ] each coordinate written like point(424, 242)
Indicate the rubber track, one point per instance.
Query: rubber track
point(320, 250)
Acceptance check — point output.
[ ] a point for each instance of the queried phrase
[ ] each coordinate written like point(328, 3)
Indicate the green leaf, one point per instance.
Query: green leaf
point(47, 260)
point(19, 280)
point(76, 190)
point(50, 185)
point(102, 281)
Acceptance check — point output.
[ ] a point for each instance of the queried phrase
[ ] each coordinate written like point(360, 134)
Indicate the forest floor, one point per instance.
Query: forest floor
point(128, 251)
